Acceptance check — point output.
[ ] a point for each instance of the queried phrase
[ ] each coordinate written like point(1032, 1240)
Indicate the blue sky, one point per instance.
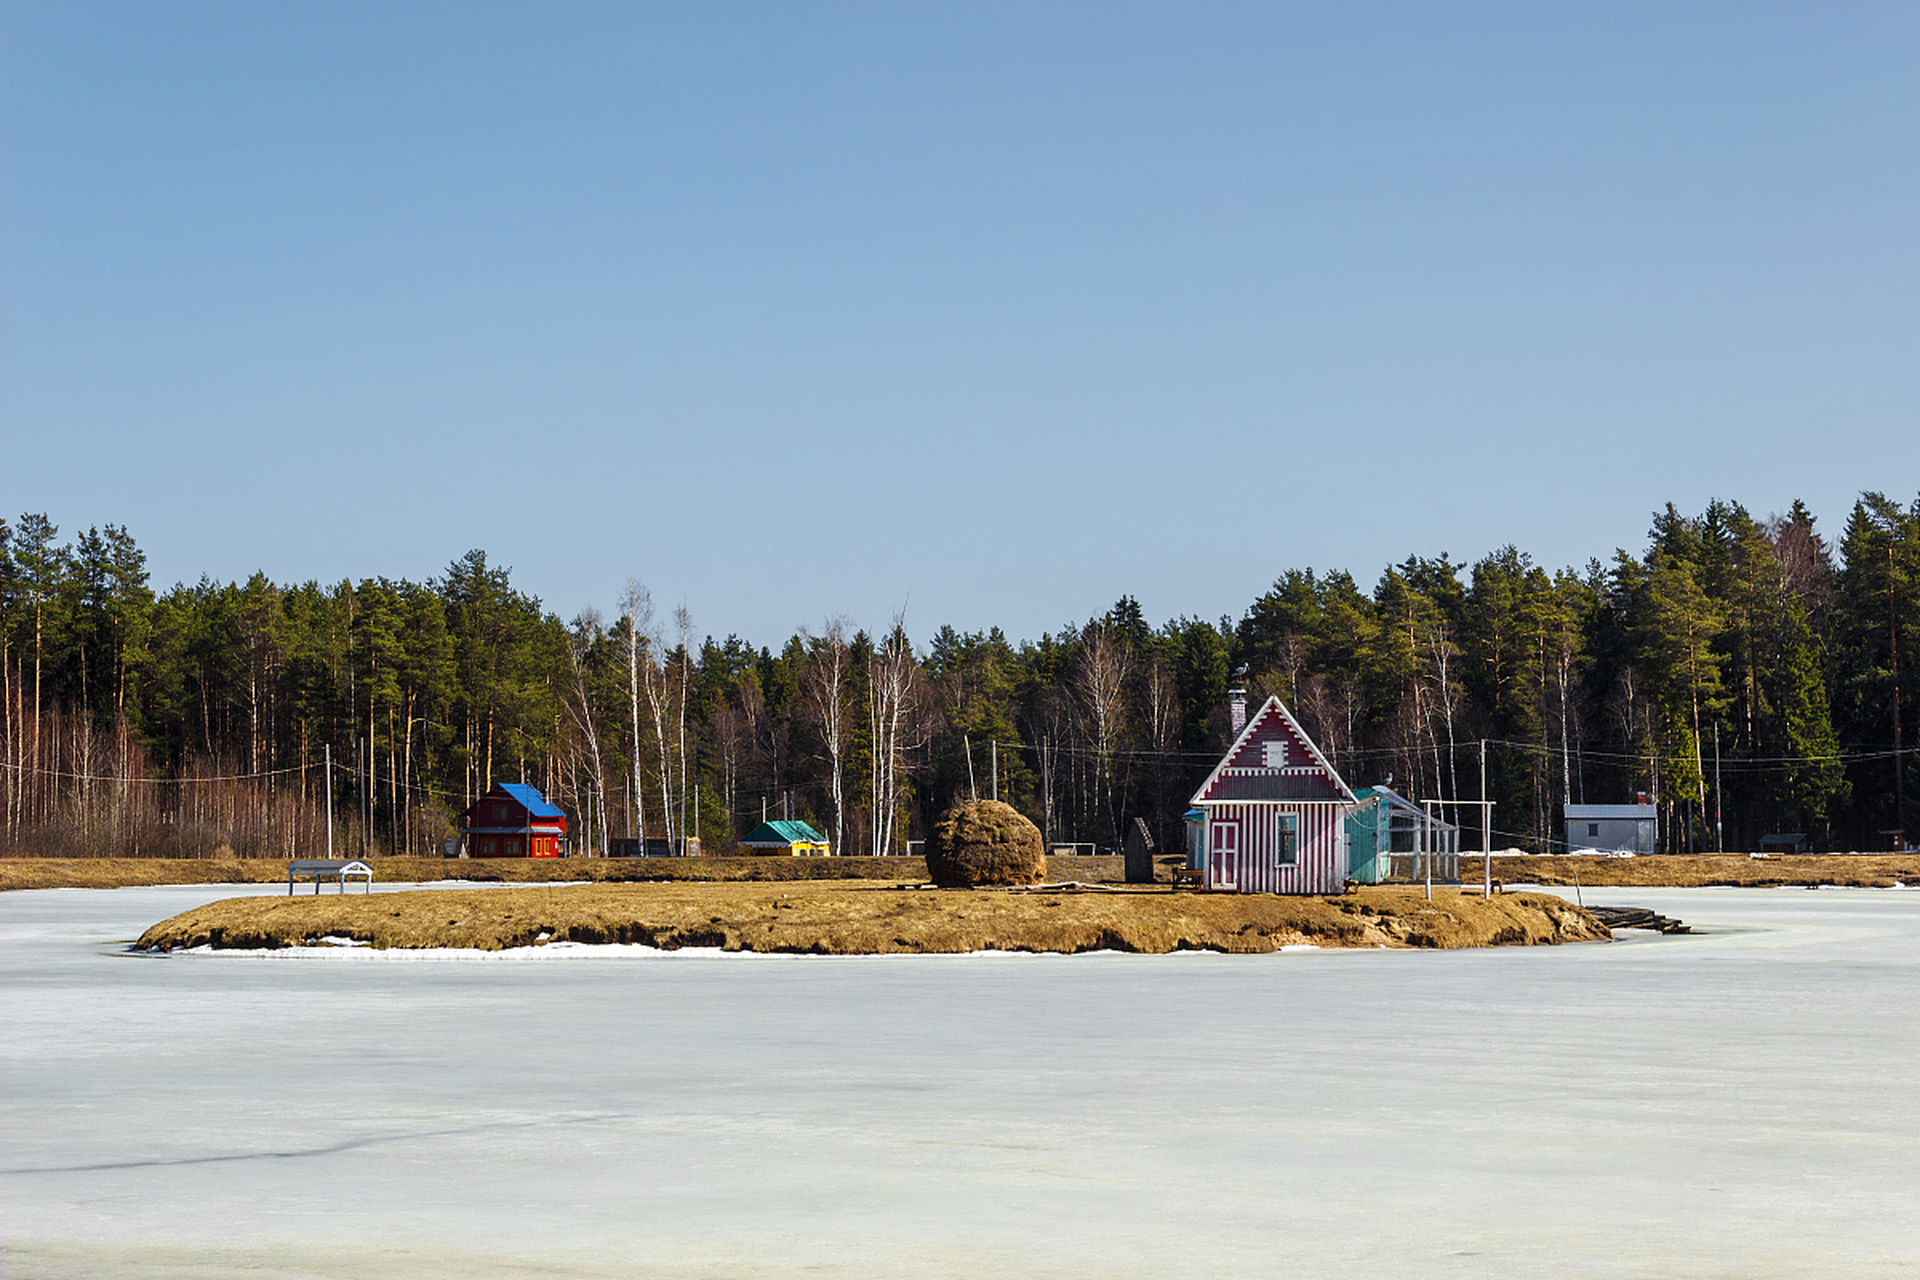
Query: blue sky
point(995, 311)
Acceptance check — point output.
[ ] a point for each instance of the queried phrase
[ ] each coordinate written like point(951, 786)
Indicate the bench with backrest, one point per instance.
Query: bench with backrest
point(318, 869)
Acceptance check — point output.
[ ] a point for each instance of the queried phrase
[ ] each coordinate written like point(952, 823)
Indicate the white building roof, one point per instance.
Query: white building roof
point(1589, 812)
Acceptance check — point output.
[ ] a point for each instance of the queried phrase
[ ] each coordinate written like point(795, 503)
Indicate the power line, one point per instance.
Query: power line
point(169, 782)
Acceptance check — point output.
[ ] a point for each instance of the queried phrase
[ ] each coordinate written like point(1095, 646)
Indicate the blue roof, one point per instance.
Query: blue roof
point(532, 801)
point(784, 831)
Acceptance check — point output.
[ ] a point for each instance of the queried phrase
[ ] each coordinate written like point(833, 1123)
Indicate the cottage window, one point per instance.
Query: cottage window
point(1287, 841)
point(1593, 828)
point(1274, 754)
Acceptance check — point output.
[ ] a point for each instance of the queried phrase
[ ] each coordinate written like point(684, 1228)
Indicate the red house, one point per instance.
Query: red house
point(514, 821)
point(1269, 816)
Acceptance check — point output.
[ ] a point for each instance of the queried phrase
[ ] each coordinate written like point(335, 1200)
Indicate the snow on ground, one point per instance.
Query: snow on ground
point(1733, 1103)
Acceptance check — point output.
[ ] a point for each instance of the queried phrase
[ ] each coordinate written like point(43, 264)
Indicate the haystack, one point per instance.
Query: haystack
point(984, 842)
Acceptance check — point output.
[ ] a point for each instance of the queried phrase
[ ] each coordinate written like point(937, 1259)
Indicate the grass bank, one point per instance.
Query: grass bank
point(824, 918)
point(113, 873)
point(1864, 870)
point(1688, 871)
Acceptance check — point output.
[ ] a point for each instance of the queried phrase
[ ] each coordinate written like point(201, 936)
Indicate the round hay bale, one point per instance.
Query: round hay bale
point(984, 842)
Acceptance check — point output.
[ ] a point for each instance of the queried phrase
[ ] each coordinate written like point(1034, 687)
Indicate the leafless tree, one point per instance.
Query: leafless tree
point(580, 711)
point(1163, 720)
point(636, 611)
point(1101, 679)
point(826, 689)
point(1806, 566)
point(1441, 651)
point(683, 625)
point(894, 684)
point(653, 681)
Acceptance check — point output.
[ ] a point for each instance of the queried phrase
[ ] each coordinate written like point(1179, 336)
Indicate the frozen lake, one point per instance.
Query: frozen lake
point(1738, 1103)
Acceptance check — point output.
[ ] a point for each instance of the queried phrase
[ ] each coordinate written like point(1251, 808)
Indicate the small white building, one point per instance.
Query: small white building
point(1611, 828)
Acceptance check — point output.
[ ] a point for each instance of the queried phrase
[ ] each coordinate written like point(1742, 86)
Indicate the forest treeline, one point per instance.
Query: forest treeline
point(1742, 671)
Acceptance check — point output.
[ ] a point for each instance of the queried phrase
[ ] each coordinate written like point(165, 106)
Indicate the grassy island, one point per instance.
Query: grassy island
point(867, 918)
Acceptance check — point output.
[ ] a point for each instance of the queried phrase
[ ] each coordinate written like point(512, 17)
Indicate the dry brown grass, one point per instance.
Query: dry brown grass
point(1864, 870)
point(1680, 871)
point(110, 873)
point(869, 919)
point(118, 873)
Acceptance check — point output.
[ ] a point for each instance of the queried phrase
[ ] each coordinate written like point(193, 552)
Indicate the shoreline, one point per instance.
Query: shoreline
point(1860, 870)
point(875, 918)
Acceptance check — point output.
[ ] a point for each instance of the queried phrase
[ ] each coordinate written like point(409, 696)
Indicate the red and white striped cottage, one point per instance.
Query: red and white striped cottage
point(1270, 814)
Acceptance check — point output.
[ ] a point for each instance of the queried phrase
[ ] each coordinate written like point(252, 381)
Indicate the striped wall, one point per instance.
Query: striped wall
point(1321, 866)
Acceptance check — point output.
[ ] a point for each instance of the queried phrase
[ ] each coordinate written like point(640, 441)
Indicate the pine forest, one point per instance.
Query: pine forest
point(1750, 675)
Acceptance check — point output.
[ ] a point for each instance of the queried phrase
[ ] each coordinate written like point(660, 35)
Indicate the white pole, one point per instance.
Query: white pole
point(1719, 844)
point(1486, 821)
point(1426, 853)
point(326, 791)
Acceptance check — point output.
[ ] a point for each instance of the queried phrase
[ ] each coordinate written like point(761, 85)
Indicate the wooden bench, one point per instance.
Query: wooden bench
point(319, 869)
point(1187, 878)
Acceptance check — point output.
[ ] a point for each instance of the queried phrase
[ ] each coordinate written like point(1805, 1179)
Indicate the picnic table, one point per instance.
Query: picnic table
point(319, 869)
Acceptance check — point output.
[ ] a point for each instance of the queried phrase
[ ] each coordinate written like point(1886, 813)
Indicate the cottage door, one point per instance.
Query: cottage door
point(1224, 842)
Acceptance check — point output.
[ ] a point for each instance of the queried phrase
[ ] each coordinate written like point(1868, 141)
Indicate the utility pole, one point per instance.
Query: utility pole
point(996, 771)
point(1719, 844)
point(1426, 846)
point(1486, 823)
point(326, 793)
point(366, 798)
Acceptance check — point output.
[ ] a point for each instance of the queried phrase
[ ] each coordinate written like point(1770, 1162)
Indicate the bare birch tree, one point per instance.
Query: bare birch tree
point(826, 690)
point(1442, 651)
point(580, 711)
point(683, 625)
point(636, 611)
point(654, 681)
point(1101, 674)
point(894, 682)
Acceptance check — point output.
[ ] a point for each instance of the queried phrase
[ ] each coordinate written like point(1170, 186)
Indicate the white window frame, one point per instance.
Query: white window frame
point(1286, 851)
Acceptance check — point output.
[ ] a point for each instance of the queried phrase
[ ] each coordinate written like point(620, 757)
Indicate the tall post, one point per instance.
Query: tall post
point(995, 783)
point(1426, 851)
point(1486, 822)
point(1719, 843)
point(326, 791)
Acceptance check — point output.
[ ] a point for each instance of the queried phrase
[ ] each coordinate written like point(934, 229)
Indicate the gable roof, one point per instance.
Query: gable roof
point(1242, 773)
point(784, 831)
point(531, 800)
point(1394, 800)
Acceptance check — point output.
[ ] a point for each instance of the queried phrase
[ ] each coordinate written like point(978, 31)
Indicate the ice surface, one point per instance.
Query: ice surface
point(1737, 1102)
